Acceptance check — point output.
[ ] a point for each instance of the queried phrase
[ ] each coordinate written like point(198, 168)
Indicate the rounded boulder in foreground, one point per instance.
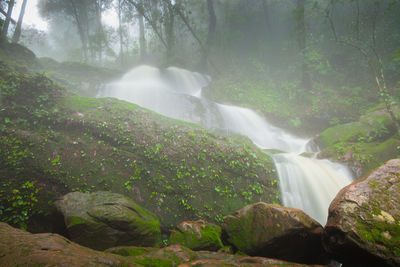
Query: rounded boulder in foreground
point(102, 220)
point(363, 227)
point(273, 231)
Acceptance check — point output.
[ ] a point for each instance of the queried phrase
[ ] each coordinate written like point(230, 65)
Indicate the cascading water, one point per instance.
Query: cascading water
point(306, 183)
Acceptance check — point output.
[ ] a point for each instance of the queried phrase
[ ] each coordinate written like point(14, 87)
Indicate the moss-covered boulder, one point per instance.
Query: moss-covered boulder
point(363, 226)
point(103, 219)
point(364, 144)
point(20, 248)
point(274, 231)
point(197, 235)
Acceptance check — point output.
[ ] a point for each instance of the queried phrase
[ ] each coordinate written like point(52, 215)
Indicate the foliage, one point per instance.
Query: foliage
point(72, 143)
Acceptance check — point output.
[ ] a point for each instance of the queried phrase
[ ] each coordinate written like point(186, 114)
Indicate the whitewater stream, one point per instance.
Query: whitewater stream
point(306, 183)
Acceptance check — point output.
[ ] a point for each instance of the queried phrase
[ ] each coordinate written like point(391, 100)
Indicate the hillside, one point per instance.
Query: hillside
point(54, 142)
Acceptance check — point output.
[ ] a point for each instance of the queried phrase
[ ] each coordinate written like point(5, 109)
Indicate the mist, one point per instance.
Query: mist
point(235, 115)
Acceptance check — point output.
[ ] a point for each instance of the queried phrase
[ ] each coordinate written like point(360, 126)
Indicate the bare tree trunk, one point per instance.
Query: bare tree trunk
point(153, 25)
point(81, 30)
point(121, 37)
point(169, 31)
point(142, 39)
point(186, 22)
point(5, 15)
point(100, 30)
point(17, 32)
point(301, 41)
point(212, 24)
point(8, 17)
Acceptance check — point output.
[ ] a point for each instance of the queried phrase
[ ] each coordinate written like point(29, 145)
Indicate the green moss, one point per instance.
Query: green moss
point(207, 237)
point(75, 220)
point(178, 170)
point(129, 251)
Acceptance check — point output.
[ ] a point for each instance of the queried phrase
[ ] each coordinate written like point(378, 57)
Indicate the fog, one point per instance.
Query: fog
point(196, 108)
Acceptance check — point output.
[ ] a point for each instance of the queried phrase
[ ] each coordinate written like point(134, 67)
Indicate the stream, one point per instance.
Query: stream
point(306, 183)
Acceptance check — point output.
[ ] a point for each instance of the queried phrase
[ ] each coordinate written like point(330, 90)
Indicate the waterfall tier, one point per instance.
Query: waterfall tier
point(306, 183)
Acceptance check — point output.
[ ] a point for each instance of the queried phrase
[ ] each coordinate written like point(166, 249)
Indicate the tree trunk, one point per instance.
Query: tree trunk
point(212, 24)
point(121, 37)
point(186, 22)
point(17, 32)
point(81, 31)
point(100, 31)
point(8, 17)
point(153, 25)
point(142, 40)
point(301, 41)
point(169, 30)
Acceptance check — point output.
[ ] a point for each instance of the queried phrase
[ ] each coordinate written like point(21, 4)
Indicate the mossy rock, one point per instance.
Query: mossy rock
point(103, 219)
point(274, 231)
point(20, 248)
point(364, 219)
point(197, 235)
point(365, 144)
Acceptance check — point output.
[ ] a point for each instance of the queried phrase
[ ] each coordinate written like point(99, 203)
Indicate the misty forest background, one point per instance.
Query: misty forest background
point(329, 60)
point(322, 68)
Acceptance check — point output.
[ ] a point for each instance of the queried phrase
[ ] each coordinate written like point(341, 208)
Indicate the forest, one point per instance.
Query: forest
point(200, 132)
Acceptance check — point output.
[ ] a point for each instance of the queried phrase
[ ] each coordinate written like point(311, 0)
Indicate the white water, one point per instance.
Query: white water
point(306, 183)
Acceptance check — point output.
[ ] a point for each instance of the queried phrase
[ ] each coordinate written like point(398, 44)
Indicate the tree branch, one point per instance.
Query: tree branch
point(140, 9)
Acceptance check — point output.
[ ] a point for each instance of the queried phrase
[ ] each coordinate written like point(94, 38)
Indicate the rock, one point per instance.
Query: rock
point(274, 231)
point(363, 226)
point(197, 235)
point(177, 255)
point(20, 248)
point(103, 219)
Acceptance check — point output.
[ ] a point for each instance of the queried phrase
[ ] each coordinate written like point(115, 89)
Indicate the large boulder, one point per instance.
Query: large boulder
point(20, 248)
point(103, 219)
point(270, 230)
point(363, 226)
point(197, 235)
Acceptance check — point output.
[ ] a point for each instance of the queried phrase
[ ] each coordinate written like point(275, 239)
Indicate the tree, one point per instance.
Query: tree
point(142, 39)
point(302, 43)
point(8, 17)
point(178, 10)
point(17, 32)
point(368, 49)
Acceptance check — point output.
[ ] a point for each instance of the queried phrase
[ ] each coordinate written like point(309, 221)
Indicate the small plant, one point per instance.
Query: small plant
point(21, 204)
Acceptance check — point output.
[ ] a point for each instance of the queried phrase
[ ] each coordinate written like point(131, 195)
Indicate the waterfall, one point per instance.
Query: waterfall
point(305, 183)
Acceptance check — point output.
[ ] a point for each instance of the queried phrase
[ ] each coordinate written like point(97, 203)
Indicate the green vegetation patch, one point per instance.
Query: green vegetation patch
point(62, 143)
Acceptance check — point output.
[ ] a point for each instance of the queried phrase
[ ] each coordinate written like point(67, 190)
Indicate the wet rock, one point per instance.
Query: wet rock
point(363, 227)
point(177, 255)
point(20, 248)
point(103, 219)
point(274, 231)
point(197, 235)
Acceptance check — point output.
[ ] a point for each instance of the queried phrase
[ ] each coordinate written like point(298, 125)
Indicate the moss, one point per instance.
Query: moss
point(178, 170)
point(205, 237)
point(129, 251)
point(75, 220)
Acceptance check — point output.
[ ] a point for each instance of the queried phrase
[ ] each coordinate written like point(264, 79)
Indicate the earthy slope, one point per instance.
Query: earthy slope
point(53, 142)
